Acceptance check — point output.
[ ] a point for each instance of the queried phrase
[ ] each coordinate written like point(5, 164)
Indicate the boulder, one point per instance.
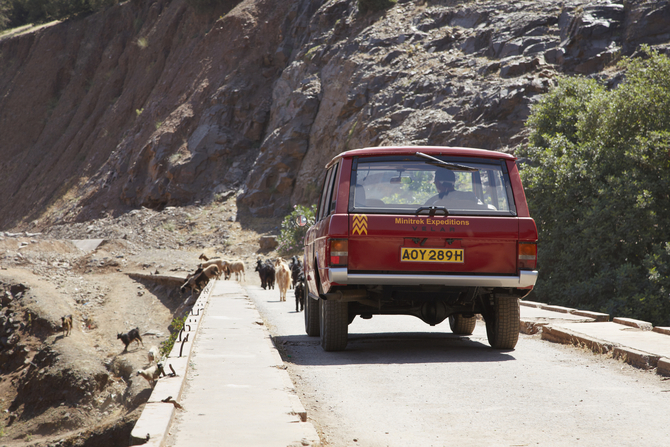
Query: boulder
point(268, 242)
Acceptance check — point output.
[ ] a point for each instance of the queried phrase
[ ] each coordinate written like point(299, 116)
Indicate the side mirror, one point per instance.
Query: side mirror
point(301, 221)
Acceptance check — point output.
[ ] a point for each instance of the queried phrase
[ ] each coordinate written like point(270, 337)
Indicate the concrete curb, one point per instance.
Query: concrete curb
point(539, 315)
point(597, 316)
point(159, 279)
point(530, 327)
point(639, 359)
point(634, 357)
point(644, 325)
point(553, 330)
point(566, 336)
point(663, 367)
point(151, 429)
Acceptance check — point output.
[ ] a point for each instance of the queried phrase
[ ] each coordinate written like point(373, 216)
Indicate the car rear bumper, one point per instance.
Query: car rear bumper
point(341, 275)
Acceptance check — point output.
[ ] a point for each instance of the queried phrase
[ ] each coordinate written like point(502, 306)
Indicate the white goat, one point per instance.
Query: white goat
point(282, 277)
point(153, 354)
point(152, 373)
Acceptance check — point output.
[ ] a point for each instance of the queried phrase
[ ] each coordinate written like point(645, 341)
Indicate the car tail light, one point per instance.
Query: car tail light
point(527, 255)
point(339, 252)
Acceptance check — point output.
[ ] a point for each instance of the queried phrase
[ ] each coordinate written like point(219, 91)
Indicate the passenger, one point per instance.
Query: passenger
point(448, 197)
point(444, 183)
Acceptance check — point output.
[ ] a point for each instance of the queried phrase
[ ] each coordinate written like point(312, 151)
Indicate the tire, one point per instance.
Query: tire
point(502, 323)
point(461, 325)
point(312, 327)
point(334, 325)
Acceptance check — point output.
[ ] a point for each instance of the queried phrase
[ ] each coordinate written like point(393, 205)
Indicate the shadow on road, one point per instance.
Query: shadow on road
point(390, 348)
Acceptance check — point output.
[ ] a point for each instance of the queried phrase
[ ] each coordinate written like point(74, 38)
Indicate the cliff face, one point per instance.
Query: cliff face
point(153, 104)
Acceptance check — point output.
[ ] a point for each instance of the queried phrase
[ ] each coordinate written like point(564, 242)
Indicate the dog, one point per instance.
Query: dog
point(129, 337)
point(67, 325)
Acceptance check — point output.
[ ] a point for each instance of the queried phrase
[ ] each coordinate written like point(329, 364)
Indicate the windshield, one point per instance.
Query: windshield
point(405, 186)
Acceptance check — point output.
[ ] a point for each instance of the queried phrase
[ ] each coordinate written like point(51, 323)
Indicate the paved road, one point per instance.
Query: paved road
point(403, 383)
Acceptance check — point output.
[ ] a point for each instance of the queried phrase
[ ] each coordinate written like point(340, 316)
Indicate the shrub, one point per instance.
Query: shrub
point(292, 236)
point(598, 186)
point(175, 327)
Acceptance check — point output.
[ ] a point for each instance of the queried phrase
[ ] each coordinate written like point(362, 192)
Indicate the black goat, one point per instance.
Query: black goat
point(266, 271)
point(129, 337)
point(271, 276)
point(300, 292)
point(198, 280)
point(190, 280)
point(296, 269)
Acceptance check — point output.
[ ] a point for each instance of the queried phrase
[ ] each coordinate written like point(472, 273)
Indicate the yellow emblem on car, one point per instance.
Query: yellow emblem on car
point(360, 224)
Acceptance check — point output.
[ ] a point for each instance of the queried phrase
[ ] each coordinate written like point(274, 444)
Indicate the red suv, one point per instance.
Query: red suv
point(433, 232)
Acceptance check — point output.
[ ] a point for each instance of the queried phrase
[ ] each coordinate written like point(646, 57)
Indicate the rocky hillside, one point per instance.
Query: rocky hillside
point(154, 104)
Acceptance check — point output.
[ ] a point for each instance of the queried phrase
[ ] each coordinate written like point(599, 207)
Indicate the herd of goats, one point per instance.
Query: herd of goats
point(278, 271)
point(286, 274)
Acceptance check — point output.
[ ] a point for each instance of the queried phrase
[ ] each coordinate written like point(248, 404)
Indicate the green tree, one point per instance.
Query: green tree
point(292, 236)
point(598, 185)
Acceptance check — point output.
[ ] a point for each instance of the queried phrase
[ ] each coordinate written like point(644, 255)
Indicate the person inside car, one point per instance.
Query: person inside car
point(444, 183)
point(449, 197)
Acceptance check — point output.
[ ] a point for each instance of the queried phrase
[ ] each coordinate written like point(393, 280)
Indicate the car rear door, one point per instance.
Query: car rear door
point(459, 244)
point(391, 232)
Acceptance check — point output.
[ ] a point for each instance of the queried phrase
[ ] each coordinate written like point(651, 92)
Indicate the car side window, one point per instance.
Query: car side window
point(325, 197)
point(332, 191)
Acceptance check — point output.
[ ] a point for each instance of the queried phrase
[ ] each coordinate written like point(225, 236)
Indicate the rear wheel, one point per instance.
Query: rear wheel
point(461, 325)
point(334, 325)
point(311, 314)
point(502, 323)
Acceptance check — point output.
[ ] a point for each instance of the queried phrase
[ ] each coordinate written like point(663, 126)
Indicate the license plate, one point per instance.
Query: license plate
point(432, 255)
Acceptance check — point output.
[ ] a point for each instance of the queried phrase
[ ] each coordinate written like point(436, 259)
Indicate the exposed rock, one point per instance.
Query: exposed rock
point(258, 97)
point(6, 298)
point(268, 242)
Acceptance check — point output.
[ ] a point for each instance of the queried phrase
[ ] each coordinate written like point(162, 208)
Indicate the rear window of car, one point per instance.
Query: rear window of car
point(413, 185)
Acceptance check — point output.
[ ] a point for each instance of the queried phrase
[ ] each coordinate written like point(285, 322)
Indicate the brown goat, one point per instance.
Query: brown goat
point(67, 325)
point(237, 267)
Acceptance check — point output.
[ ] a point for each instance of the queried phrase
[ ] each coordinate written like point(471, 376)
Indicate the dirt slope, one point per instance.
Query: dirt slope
point(82, 389)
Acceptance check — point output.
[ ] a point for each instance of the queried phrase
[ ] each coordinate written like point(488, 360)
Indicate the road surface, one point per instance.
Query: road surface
point(403, 383)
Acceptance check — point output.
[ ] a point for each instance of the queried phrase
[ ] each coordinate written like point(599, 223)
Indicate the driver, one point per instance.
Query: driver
point(444, 183)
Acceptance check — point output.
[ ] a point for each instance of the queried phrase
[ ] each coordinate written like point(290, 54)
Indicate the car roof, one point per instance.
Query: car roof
point(430, 150)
